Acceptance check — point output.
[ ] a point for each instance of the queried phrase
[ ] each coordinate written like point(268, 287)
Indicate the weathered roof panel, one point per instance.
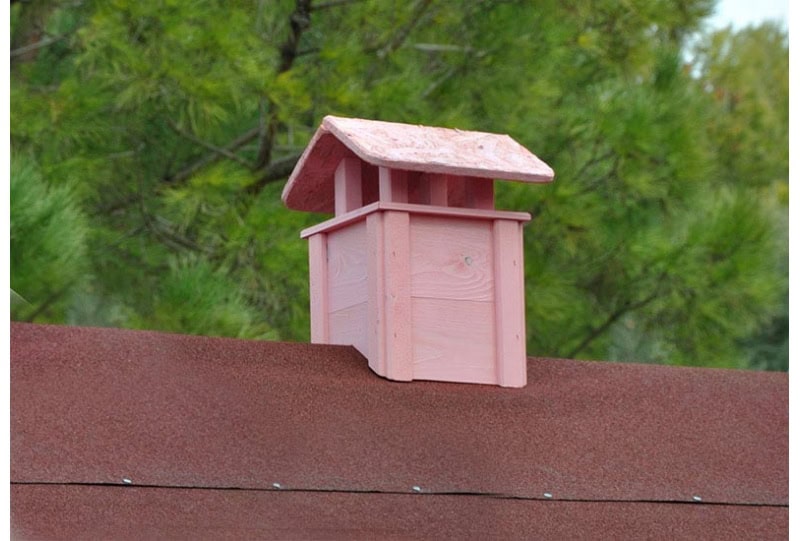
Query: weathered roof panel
point(99, 405)
point(81, 512)
point(407, 147)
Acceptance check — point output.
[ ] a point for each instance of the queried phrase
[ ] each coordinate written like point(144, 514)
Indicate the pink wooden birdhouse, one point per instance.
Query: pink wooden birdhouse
point(417, 269)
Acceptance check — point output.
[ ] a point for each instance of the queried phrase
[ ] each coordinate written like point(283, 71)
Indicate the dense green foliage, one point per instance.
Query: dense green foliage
point(151, 139)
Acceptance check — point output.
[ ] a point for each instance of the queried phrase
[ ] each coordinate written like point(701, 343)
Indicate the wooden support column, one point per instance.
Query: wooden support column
point(509, 304)
point(438, 190)
point(347, 186)
point(396, 269)
point(318, 287)
point(480, 194)
point(393, 185)
point(376, 323)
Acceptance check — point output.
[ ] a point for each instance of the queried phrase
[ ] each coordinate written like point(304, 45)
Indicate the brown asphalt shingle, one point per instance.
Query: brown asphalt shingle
point(180, 416)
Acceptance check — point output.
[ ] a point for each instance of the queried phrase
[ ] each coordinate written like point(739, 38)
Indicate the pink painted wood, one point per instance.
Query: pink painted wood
point(480, 195)
point(393, 185)
point(376, 305)
point(417, 269)
point(404, 147)
point(347, 186)
point(354, 216)
point(397, 296)
point(510, 306)
point(318, 287)
point(438, 186)
point(425, 294)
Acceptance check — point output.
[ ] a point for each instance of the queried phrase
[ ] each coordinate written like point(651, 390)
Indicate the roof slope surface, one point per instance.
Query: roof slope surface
point(96, 406)
point(407, 147)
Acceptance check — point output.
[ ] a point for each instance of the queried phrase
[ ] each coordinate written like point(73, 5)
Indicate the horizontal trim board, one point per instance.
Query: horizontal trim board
point(355, 215)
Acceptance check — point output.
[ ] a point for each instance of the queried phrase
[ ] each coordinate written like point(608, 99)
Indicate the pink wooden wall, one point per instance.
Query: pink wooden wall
point(424, 296)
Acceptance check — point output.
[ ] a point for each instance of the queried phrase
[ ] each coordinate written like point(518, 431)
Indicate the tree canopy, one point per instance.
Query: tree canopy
point(151, 140)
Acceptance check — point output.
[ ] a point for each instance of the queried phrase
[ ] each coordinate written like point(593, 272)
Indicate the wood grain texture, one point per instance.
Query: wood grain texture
point(437, 184)
point(347, 266)
point(438, 150)
point(473, 214)
point(347, 186)
point(454, 341)
point(457, 190)
point(423, 292)
point(480, 194)
point(375, 323)
point(451, 258)
point(348, 327)
point(318, 287)
point(405, 147)
point(393, 185)
point(510, 305)
point(369, 184)
point(397, 296)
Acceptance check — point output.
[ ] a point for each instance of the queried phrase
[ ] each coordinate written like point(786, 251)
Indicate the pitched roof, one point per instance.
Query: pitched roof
point(407, 147)
point(289, 440)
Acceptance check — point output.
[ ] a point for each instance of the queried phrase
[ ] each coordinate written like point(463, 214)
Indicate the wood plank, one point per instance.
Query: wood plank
point(451, 258)
point(369, 183)
point(457, 191)
point(438, 189)
point(393, 185)
point(318, 287)
point(397, 296)
point(510, 304)
point(376, 343)
point(348, 327)
point(405, 147)
point(480, 194)
point(353, 216)
point(347, 266)
point(347, 186)
point(339, 222)
point(419, 192)
point(454, 341)
point(478, 214)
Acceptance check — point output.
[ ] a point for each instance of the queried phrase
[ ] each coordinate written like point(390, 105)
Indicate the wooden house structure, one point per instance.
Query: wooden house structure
point(417, 269)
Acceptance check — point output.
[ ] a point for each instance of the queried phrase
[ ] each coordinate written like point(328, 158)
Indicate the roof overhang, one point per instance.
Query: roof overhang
point(406, 147)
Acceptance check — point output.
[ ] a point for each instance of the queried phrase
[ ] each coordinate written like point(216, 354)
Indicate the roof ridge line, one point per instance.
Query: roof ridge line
point(414, 491)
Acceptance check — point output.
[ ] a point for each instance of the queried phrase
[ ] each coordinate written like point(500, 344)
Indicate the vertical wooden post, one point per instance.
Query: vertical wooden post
point(347, 186)
point(509, 304)
point(393, 185)
point(376, 342)
point(397, 296)
point(318, 287)
point(480, 194)
point(438, 190)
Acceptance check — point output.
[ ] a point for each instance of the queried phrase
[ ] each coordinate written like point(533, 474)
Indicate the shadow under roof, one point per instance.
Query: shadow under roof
point(406, 147)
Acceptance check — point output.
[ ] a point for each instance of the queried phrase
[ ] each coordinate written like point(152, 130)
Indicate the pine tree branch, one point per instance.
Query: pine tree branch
point(160, 228)
point(48, 302)
point(333, 4)
point(610, 320)
point(49, 40)
point(299, 22)
point(397, 40)
point(219, 150)
point(277, 170)
point(213, 157)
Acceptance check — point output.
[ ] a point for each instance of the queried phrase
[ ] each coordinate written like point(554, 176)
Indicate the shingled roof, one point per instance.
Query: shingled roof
point(135, 434)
